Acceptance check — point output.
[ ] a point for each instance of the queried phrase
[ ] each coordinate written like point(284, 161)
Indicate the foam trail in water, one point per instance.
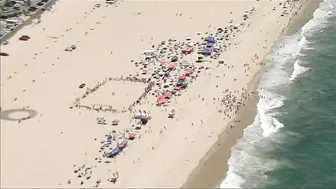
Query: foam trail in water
point(298, 70)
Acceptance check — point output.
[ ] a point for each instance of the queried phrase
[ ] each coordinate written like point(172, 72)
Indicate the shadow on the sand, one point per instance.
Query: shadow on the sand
point(5, 115)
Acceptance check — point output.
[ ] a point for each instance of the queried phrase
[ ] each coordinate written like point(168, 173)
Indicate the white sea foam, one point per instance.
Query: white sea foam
point(298, 70)
point(247, 165)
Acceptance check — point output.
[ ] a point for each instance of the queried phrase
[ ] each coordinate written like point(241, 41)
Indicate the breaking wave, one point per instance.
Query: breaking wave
point(248, 162)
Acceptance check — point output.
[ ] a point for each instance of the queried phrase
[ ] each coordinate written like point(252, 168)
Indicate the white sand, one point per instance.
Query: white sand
point(34, 153)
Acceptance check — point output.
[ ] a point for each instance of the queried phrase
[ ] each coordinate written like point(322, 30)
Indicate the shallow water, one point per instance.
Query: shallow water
point(291, 142)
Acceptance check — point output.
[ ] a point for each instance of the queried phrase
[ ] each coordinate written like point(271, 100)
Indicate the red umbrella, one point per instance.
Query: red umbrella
point(161, 100)
point(177, 88)
point(164, 62)
point(144, 71)
point(167, 95)
point(172, 66)
point(115, 122)
point(182, 77)
point(132, 136)
point(25, 36)
point(190, 71)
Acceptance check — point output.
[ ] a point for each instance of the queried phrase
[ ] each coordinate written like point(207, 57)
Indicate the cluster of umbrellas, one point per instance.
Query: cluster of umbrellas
point(168, 74)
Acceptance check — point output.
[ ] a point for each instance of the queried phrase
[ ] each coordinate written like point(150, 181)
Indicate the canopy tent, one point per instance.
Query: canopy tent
point(123, 145)
point(113, 153)
point(206, 51)
point(150, 53)
point(209, 44)
point(210, 38)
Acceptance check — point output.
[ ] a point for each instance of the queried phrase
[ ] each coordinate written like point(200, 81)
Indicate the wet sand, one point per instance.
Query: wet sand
point(213, 167)
point(44, 136)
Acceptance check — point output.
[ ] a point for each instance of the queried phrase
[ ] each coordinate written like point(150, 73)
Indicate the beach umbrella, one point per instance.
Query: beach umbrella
point(144, 71)
point(177, 88)
point(190, 71)
point(132, 136)
point(167, 95)
point(164, 62)
point(161, 100)
point(182, 77)
point(171, 66)
point(115, 122)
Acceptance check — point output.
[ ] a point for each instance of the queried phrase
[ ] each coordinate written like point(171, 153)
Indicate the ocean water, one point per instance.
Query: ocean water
point(292, 142)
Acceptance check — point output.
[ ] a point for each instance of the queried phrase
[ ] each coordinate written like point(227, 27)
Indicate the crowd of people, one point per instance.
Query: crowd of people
point(167, 73)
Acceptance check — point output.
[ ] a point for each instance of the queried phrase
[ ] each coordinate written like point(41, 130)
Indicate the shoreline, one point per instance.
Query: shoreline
point(213, 162)
point(107, 48)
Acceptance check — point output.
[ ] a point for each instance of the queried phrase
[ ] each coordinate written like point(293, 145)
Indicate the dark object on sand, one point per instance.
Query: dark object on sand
point(144, 120)
point(174, 59)
point(4, 54)
point(24, 38)
point(82, 85)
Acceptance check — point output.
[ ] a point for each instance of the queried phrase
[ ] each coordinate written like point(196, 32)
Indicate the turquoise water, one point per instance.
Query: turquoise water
point(292, 142)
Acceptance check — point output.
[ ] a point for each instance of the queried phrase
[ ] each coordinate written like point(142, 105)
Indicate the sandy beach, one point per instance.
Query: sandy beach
point(49, 119)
